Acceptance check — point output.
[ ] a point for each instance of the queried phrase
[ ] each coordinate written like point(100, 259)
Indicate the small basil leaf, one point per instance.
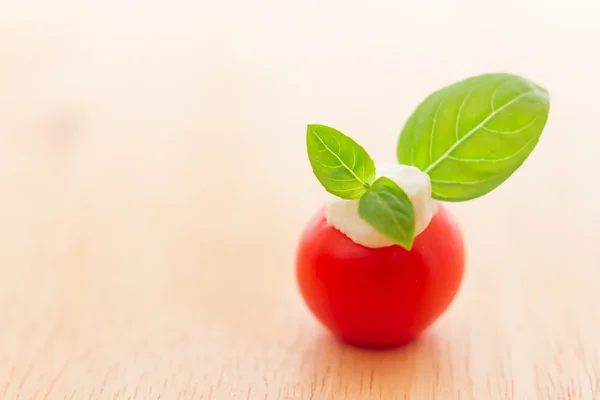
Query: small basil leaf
point(387, 208)
point(472, 135)
point(341, 165)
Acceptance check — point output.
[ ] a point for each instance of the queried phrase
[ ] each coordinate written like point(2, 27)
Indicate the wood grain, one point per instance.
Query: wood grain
point(153, 185)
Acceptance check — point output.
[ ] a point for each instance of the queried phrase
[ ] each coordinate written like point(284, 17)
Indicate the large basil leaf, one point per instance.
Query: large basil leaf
point(472, 135)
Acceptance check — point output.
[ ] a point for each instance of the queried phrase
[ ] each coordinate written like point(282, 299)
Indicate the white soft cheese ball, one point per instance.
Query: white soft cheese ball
point(343, 214)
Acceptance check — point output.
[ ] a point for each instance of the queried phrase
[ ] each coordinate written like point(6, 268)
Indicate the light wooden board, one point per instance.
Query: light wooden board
point(153, 185)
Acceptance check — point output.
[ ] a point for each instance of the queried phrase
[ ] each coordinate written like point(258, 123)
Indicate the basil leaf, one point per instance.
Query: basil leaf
point(472, 135)
point(341, 165)
point(387, 208)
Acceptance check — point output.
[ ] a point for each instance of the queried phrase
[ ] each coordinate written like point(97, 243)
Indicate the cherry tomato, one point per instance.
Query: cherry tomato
point(380, 297)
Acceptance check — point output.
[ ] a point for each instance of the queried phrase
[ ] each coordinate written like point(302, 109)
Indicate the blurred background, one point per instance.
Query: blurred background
point(154, 182)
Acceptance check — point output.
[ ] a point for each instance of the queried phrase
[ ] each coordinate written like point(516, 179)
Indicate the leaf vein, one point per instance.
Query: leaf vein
point(349, 189)
point(466, 183)
point(493, 100)
point(460, 112)
point(339, 180)
point(327, 166)
point(521, 129)
point(475, 129)
point(387, 208)
point(432, 133)
point(342, 163)
point(494, 160)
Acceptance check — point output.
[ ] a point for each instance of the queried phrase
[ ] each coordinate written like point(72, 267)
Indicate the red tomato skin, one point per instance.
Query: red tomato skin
point(380, 297)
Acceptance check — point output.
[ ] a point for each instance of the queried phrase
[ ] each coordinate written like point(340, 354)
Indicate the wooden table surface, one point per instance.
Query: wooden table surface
point(154, 183)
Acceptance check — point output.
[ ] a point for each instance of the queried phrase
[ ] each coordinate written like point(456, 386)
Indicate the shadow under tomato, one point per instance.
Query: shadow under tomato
point(344, 371)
